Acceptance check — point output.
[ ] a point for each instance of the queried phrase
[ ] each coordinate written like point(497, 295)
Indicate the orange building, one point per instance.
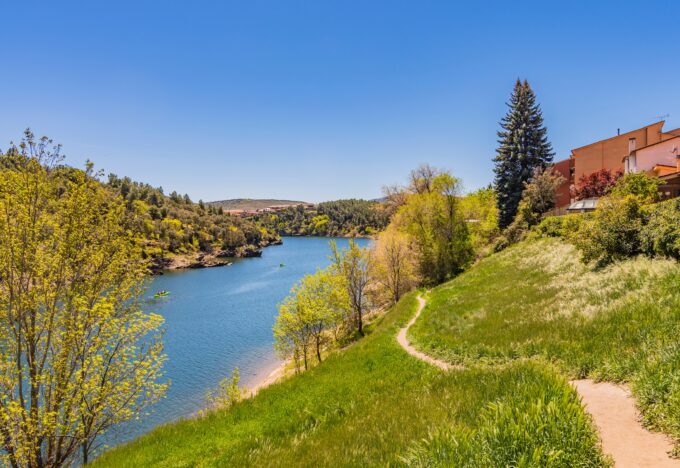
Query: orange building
point(648, 149)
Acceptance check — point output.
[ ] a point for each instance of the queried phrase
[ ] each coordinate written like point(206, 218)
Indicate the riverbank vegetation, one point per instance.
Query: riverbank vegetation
point(172, 226)
point(339, 218)
point(372, 404)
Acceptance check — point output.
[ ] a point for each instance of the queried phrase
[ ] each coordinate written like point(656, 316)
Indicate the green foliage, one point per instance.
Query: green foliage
point(661, 233)
point(538, 199)
point(227, 393)
point(565, 227)
point(613, 232)
point(364, 406)
point(174, 225)
point(481, 214)
point(541, 424)
point(523, 147)
point(311, 316)
point(352, 268)
point(637, 184)
point(79, 355)
point(345, 218)
point(437, 229)
point(618, 323)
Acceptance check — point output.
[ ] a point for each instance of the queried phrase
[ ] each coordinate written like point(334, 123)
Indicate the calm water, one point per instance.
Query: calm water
point(220, 318)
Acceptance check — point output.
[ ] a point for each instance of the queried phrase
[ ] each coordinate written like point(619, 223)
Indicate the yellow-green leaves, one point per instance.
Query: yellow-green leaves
point(78, 353)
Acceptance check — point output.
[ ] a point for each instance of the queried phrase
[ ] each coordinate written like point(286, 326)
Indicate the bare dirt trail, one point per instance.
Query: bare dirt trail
point(403, 341)
point(618, 422)
point(611, 407)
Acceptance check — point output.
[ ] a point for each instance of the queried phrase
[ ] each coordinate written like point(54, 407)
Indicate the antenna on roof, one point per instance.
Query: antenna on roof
point(662, 117)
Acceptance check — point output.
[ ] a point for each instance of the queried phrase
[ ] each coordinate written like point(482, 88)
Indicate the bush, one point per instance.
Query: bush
point(613, 232)
point(638, 184)
point(558, 226)
point(596, 185)
point(661, 234)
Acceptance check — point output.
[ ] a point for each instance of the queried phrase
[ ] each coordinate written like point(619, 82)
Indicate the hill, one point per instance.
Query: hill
point(516, 327)
point(345, 218)
point(252, 204)
point(178, 233)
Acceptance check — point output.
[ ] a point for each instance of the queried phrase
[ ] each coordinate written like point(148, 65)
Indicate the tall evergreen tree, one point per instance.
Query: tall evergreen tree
point(523, 147)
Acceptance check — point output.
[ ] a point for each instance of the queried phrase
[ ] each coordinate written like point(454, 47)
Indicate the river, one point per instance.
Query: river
point(220, 318)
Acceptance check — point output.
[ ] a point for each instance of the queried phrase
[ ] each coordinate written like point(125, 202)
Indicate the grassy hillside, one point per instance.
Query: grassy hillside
point(537, 300)
point(251, 204)
point(373, 404)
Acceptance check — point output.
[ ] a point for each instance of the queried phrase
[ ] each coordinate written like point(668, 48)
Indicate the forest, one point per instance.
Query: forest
point(341, 218)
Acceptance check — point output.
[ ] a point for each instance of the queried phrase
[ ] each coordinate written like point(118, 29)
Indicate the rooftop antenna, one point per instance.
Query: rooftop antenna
point(661, 117)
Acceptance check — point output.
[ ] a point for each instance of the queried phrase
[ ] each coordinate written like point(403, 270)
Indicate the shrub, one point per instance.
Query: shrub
point(558, 226)
point(661, 234)
point(595, 185)
point(638, 184)
point(613, 232)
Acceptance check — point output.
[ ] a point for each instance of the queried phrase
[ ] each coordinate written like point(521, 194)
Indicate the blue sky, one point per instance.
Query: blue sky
point(319, 100)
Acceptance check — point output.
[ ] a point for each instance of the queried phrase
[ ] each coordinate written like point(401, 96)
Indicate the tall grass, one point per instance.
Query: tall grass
point(620, 323)
point(373, 404)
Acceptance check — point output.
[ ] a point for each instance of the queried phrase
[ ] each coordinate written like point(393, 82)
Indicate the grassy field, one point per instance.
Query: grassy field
point(373, 404)
point(537, 301)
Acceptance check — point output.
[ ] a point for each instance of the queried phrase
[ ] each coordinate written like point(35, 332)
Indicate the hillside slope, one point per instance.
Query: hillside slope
point(372, 404)
point(538, 301)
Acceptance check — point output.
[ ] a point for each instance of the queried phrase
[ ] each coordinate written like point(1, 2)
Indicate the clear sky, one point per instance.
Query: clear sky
point(321, 99)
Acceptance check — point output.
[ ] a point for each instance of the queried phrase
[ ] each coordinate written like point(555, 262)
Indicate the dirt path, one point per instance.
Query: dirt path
point(623, 437)
point(611, 406)
point(403, 341)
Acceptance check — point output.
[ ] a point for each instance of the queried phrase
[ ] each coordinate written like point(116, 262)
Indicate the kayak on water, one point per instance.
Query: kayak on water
point(161, 294)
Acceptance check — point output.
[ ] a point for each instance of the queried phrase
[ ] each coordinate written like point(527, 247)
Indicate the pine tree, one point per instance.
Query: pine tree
point(523, 147)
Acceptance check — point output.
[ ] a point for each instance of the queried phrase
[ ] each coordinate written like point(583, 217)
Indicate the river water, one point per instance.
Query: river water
point(220, 318)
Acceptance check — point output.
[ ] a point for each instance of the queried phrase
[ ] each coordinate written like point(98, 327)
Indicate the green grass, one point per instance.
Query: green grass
point(537, 301)
point(373, 404)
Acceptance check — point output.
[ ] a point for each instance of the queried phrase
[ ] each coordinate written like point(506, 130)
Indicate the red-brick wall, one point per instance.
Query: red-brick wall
point(564, 168)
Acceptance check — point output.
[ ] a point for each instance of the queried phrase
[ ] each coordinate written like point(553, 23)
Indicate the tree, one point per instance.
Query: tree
point(538, 199)
point(437, 229)
point(227, 393)
point(596, 184)
point(352, 265)
point(314, 307)
point(78, 354)
point(394, 263)
point(523, 146)
point(481, 215)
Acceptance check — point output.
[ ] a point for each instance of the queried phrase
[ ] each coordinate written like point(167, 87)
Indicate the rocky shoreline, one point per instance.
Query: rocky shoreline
point(217, 258)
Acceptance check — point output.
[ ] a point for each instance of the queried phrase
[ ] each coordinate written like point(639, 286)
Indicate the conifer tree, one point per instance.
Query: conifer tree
point(523, 147)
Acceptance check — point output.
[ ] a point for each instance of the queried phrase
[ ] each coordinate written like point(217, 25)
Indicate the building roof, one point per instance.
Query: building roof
point(588, 204)
point(662, 122)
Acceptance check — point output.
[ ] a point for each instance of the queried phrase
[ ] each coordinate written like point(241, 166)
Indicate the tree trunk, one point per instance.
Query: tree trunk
point(318, 348)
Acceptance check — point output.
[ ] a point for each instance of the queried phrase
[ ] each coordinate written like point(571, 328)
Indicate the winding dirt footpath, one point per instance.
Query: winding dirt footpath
point(611, 406)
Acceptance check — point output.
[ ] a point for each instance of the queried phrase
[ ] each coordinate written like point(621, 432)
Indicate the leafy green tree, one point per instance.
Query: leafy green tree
point(538, 199)
point(523, 147)
point(227, 393)
point(394, 265)
point(353, 267)
point(79, 355)
point(437, 229)
point(308, 316)
point(481, 215)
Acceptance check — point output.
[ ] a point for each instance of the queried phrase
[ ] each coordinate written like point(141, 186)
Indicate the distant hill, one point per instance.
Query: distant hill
point(251, 204)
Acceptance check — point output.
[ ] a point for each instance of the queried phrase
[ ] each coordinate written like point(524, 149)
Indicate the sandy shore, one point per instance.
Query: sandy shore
point(267, 379)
